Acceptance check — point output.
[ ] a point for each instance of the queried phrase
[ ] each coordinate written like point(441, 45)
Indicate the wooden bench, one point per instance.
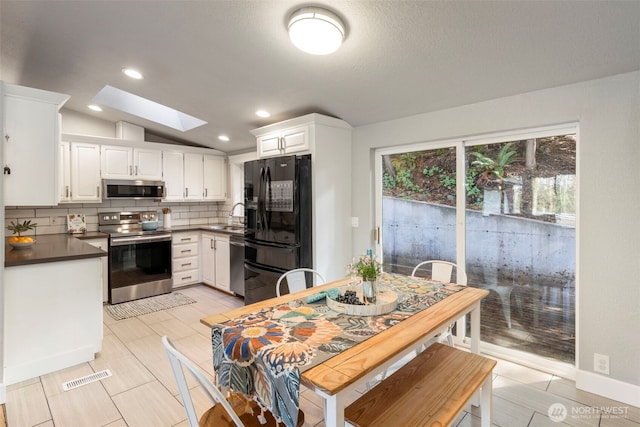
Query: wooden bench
point(430, 390)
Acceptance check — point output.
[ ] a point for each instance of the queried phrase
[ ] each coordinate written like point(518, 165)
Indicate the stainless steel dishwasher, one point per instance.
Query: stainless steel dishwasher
point(236, 253)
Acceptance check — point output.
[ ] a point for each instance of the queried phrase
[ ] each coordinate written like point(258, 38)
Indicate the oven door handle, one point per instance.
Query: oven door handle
point(119, 241)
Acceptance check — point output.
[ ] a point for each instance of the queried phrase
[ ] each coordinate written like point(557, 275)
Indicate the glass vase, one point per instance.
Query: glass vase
point(369, 290)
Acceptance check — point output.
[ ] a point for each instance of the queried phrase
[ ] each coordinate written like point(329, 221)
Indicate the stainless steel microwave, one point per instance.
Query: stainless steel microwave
point(133, 189)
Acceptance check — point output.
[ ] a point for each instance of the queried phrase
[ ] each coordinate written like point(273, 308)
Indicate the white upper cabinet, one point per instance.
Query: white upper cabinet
point(173, 175)
point(31, 131)
point(117, 162)
point(85, 172)
point(79, 172)
point(121, 162)
point(147, 164)
point(64, 172)
point(193, 176)
point(286, 141)
point(205, 177)
point(215, 177)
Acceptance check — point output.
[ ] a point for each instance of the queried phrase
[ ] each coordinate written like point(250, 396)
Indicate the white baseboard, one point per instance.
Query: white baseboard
point(608, 387)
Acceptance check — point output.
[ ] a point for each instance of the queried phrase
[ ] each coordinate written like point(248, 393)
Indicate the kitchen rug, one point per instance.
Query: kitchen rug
point(147, 305)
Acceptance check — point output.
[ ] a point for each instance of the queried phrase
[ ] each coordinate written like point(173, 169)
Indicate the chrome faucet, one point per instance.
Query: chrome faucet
point(233, 208)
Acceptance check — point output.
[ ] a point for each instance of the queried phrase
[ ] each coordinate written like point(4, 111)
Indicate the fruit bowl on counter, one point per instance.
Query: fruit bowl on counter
point(21, 244)
point(19, 241)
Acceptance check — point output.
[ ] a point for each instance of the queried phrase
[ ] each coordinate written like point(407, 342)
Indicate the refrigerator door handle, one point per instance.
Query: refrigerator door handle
point(268, 197)
point(261, 219)
point(258, 268)
point(255, 245)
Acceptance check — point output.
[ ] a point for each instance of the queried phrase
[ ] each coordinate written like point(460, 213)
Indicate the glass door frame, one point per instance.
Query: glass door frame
point(562, 369)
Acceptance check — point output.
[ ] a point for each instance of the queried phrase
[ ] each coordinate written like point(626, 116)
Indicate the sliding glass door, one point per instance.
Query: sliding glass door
point(504, 208)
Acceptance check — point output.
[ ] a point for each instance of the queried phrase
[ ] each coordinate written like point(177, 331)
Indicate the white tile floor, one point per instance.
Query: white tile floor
point(142, 390)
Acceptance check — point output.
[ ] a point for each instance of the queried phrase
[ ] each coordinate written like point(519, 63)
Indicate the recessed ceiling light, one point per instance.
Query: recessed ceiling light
point(138, 106)
point(315, 30)
point(94, 107)
point(134, 74)
point(224, 138)
point(263, 113)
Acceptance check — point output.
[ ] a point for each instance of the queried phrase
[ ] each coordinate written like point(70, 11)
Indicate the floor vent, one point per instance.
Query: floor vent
point(79, 382)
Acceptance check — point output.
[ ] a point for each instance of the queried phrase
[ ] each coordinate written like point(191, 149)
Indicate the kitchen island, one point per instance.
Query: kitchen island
point(52, 306)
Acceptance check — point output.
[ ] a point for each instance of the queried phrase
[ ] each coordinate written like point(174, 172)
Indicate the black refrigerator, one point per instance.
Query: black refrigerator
point(277, 198)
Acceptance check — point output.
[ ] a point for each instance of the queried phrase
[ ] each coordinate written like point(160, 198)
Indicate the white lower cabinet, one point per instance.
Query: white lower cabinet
point(185, 267)
point(216, 261)
point(104, 245)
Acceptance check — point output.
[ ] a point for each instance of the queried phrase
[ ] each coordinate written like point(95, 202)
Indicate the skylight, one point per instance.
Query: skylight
point(146, 109)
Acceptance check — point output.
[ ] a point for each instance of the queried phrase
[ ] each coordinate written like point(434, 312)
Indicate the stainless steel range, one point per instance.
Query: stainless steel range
point(139, 261)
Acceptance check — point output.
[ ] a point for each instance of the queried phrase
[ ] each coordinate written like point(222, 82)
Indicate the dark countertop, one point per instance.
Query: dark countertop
point(53, 248)
point(66, 247)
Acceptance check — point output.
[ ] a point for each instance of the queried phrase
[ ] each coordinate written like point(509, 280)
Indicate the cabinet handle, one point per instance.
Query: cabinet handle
point(211, 244)
point(185, 239)
point(187, 264)
point(206, 191)
point(186, 192)
point(185, 251)
point(186, 278)
point(136, 170)
point(7, 137)
point(98, 190)
point(67, 190)
point(130, 170)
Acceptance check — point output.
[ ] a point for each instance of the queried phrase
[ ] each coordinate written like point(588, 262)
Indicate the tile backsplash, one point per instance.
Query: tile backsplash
point(53, 220)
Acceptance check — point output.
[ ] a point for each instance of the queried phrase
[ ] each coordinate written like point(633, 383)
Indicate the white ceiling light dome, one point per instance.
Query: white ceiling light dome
point(316, 31)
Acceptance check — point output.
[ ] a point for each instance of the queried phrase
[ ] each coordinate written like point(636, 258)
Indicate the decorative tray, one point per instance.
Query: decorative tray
point(386, 302)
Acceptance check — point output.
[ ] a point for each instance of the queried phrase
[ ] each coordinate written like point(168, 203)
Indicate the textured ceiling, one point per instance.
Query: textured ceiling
point(222, 60)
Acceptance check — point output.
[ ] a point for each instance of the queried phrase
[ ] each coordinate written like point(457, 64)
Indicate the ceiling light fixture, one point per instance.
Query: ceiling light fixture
point(94, 107)
point(224, 138)
point(262, 113)
point(134, 74)
point(315, 30)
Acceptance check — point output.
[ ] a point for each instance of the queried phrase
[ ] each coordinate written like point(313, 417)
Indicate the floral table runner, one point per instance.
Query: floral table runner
point(263, 353)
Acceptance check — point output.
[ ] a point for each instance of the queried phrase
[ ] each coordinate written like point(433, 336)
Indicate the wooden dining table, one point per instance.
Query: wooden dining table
point(336, 378)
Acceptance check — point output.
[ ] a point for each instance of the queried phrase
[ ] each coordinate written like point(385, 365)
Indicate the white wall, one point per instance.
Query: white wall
point(84, 124)
point(608, 113)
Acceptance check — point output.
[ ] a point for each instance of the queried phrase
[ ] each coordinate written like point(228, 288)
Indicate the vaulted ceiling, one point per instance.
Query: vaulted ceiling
point(222, 60)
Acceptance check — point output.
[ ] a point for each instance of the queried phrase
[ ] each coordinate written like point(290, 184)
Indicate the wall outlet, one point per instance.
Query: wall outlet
point(355, 221)
point(601, 363)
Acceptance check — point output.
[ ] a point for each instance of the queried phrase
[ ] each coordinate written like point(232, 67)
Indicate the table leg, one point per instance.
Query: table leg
point(475, 329)
point(486, 408)
point(475, 346)
point(334, 411)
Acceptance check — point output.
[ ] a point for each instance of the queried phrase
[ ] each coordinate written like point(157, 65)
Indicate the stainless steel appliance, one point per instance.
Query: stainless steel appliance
point(139, 261)
point(133, 189)
point(277, 222)
point(236, 253)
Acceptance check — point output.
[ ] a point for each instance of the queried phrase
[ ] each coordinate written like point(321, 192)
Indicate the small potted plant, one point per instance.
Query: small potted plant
point(18, 228)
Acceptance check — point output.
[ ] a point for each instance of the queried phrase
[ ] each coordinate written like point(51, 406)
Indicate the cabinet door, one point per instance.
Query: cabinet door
point(223, 263)
point(64, 172)
point(208, 266)
point(193, 176)
point(269, 145)
point(147, 164)
point(85, 172)
point(117, 162)
point(31, 152)
point(294, 140)
point(172, 175)
point(215, 183)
